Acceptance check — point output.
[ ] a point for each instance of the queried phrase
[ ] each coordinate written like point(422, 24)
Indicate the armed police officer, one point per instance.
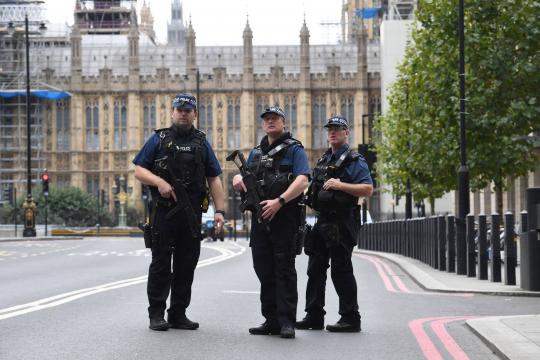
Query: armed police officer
point(340, 177)
point(280, 166)
point(177, 163)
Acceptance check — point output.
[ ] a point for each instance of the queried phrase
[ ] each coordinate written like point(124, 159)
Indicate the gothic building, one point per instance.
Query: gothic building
point(121, 85)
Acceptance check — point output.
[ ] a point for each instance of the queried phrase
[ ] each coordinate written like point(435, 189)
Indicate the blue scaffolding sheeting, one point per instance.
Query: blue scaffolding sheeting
point(44, 94)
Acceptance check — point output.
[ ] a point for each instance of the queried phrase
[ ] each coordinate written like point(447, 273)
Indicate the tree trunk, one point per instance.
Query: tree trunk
point(432, 206)
point(499, 198)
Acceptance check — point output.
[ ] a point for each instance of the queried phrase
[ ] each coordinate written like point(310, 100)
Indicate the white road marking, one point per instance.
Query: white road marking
point(240, 292)
point(78, 294)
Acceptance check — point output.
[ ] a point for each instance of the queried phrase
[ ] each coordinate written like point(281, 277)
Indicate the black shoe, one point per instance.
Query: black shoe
point(159, 324)
point(267, 328)
point(310, 323)
point(182, 322)
point(344, 326)
point(287, 332)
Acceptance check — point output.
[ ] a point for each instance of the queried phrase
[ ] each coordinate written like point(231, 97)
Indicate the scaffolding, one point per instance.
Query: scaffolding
point(13, 131)
point(104, 16)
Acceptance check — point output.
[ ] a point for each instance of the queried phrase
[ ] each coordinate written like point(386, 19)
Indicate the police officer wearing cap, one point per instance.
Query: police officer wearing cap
point(339, 178)
point(280, 164)
point(178, 152)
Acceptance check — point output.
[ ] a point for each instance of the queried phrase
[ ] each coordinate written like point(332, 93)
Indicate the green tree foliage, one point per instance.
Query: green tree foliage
point(420, 138)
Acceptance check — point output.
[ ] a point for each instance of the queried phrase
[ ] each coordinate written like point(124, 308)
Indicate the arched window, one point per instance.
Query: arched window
point(262, 103)
point(347, 110)
point(120, 124)
point(318, 119)
point(233, 123)
point(206, 122)
point(149, 118)
point(92, 125)
point(63, 127)
point(291, 114)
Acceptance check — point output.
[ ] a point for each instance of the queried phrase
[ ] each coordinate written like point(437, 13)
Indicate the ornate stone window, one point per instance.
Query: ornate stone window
point(120, 124)
point(291, 114)
point(92, 125)
point(262, 103)
point(233, 123)
point(92, 184)
point(149, 118)
point(347, 110)
point(206, 121)
point(318, 119)
point(63, 128)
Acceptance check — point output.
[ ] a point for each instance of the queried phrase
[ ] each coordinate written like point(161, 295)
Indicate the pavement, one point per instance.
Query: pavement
point(510, 337)
point(39, 238)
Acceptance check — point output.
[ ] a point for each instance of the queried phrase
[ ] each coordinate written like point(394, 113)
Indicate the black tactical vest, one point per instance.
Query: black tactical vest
point(186, 156)
point(332, 201)
point(273, 177)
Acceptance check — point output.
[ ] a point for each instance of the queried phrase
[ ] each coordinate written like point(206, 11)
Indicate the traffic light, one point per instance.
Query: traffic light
point(45, 182)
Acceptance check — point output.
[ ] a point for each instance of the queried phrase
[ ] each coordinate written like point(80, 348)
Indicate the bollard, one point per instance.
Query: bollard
point(441, 239)
point(450, 244)
point(495, 252)
point(510, 261)
point(461, 247)
point(530, 248)
point(471, 261)
point(482, 248)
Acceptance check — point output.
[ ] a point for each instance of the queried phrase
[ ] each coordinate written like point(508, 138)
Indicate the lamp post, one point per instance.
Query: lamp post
point(29, 204)
point(463, 174)
point(122, 199)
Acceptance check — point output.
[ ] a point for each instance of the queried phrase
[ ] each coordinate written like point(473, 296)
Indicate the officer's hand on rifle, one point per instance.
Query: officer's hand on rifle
point(238, 184)
point(270, 208)
point(332, 184)
point(166, 190)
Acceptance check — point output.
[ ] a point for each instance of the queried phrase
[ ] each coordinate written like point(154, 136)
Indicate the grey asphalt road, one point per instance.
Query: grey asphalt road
point(95, 308)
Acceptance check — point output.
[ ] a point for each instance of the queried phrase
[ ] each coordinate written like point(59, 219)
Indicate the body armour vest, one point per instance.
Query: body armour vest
point(273, 177)
point(325, 201)
point(186, 156)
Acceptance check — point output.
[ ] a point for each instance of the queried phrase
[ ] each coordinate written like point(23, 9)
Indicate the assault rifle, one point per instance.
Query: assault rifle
point(183, 204)
point(252, 199)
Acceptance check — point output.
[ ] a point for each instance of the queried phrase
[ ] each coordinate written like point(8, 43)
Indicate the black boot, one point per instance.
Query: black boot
point(287, 332)
point(345, 326)
point(267, 328)
point(182, 322)
point(159, 324)
point(310, 323)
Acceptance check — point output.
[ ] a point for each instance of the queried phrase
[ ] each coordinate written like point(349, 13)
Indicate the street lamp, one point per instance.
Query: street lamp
point(463, 174)
point(29, 204)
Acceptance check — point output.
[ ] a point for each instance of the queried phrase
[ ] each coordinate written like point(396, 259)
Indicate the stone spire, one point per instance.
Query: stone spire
point(248, 49)
point(191, 56)
point(76, 44)
point(147, 21)
point(133, 42)
point(176, 31)
point(304, 57)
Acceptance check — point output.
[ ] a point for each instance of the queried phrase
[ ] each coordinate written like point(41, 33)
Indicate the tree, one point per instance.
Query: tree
point(421, 129)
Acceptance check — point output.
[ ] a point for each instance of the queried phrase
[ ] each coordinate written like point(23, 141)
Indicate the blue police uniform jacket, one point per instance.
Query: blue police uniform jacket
point(355, 172)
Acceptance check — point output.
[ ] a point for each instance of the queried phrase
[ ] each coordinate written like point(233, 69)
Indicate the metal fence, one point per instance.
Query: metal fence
point(433, 241)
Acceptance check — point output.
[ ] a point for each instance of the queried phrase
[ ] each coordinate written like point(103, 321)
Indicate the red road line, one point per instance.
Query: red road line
point(451, 346)
point(382, 274)
point(437, 324)
point(427, 347)
point(396, 278)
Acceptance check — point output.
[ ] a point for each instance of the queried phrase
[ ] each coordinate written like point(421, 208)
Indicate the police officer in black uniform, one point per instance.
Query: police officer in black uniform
point(339, 178)
point(178, 154)
point(280, 165)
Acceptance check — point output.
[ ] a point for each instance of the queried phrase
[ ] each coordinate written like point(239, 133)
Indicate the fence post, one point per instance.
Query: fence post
point(471, 261)
point(530, 247)
point(510, 260)
point(434, 242)
point(482, 248)
point(451, 244)
point(495, 248)
point(441, 239)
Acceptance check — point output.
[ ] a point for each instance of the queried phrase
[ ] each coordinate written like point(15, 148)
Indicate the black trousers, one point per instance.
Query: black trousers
point(338, 258)
point(171, 242)
point(274, 263)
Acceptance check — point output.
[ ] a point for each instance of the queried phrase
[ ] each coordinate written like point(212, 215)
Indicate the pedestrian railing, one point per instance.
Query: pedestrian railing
point(433, 241)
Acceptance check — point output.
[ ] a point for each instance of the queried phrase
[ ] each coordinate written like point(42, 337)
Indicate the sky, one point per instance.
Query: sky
point(221, 22)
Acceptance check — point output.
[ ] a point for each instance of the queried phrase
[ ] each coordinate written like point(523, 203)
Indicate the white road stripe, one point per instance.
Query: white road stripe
point(240, 292)
point(78, 294)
